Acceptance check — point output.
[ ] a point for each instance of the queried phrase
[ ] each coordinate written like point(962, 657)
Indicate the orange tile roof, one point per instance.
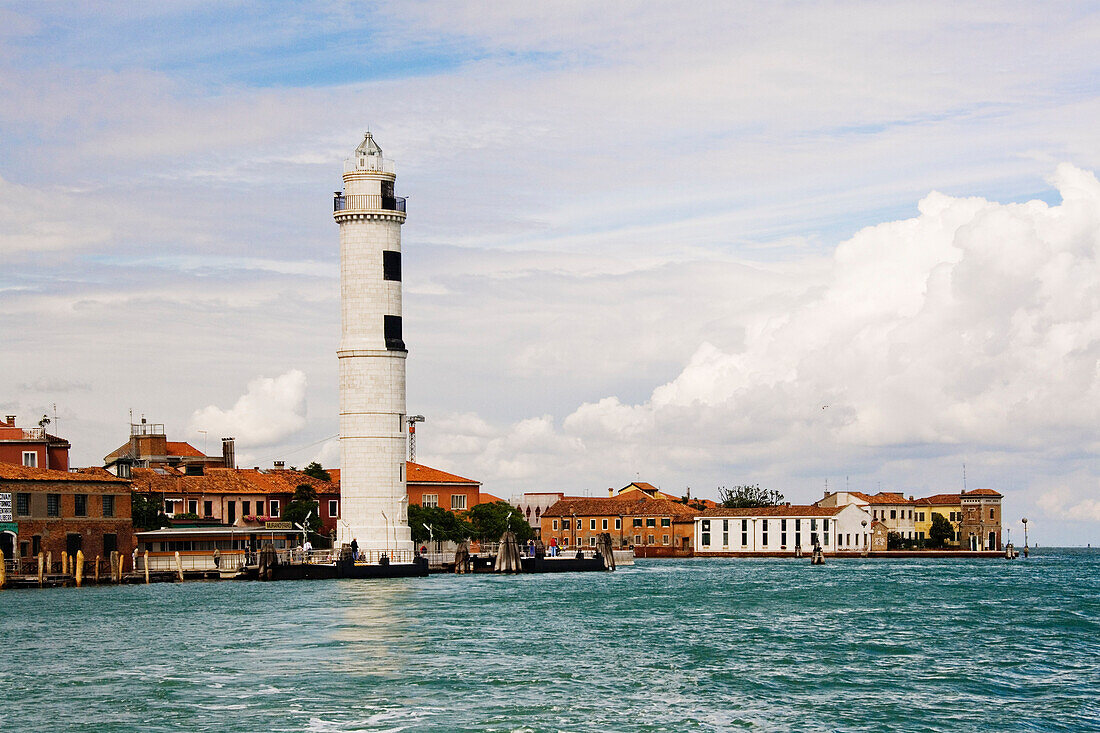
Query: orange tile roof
point(939, 499)
point(180, 448)
point(419, 474)
point(488, 498)
point(226, 481)
point(983, 492)
point(783, 510)
point(882, 497)
point(12, 472)
point(610, 506)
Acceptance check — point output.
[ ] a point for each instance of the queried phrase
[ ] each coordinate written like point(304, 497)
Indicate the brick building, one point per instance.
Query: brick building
point(429, 486)
point(236, 497)
point(56, 511)
point(32, 447)
point(980, 528)
point(651, 526)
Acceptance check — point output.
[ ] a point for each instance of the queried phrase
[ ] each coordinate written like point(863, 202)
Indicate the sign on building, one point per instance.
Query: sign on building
point(5, 508)
point(275, 525)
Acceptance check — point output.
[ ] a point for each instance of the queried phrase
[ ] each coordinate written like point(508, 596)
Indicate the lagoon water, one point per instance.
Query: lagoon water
point(668, 645)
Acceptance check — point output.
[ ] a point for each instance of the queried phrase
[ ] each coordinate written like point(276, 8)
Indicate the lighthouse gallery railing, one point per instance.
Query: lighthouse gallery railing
point(368, 202)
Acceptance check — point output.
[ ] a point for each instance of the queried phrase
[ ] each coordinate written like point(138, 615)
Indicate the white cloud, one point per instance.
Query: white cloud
point(272, 410)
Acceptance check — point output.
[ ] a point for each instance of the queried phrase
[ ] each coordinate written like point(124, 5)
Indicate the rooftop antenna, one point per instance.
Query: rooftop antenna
point(412, 420)
point(964, 477)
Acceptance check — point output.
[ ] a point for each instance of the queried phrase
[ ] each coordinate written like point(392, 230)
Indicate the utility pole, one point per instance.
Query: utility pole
point(412, 420)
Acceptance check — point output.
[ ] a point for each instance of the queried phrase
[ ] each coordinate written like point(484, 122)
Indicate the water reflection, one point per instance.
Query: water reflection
point(376, 621)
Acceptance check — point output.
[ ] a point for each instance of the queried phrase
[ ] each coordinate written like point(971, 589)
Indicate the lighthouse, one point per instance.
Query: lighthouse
point(371, 355)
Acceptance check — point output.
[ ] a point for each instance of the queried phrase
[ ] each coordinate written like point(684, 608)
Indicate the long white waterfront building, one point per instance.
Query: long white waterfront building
point(782, 530)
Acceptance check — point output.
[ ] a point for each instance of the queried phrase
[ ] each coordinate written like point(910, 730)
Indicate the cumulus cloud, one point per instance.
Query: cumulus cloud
point(271, 410)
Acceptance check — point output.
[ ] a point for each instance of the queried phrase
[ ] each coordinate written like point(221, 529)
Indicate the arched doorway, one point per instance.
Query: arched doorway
point(8, 544)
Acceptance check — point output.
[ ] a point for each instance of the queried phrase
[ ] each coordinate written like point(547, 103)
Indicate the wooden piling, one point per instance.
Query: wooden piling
point(121, 566)
point(179, 565)
point(113, 561)
point(49, 562)
point(97, 569)
point(146, 567)
point(78, 571)
point(64, 563)
point(3, 571)
point(41, 563)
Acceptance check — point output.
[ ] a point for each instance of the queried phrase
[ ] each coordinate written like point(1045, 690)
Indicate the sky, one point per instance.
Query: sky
point(809, 246)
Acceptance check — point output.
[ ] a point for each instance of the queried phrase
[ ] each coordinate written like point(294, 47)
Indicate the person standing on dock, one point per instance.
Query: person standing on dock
point(354, 549)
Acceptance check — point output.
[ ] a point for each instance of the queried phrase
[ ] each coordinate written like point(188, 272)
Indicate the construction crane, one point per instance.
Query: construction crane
point(412, 420)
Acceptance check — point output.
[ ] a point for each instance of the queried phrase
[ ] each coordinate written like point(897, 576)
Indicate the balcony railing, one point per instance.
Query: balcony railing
point(368, 202)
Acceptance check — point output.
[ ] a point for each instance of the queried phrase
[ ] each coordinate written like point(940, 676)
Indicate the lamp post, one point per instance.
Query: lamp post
point(574, 525)
point(866, 541)
point(1024, 520)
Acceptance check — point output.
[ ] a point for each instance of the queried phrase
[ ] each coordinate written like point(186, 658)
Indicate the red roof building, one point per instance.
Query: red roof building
point(32, 447)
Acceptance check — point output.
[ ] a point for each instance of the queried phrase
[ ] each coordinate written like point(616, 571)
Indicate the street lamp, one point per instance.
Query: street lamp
point(865, 541)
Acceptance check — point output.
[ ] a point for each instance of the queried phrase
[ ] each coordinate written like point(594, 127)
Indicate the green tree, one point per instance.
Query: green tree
point(301, 505)
point(492, 520)
point(746, 497)
point(314, 470)
point(941, 530)
point(147, 511)
point(444, 526)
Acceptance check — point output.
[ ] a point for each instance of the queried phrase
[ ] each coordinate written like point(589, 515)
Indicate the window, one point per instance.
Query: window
point(618, 522)
point(30, 459)
point(920, 516)
point(604, 524)
point(910, 513)
point(991, 514)
point(651, 522)
point(666, 521)
point(591, 523)
point(458, 502)
point(637, 539)
point(391, 265)
point(704, 527)
point(429, 500)
point(554, 525)
point(275, 507)
point(23, 504)
point(637, 522)
point(565, 542)
point(192, 506)
point(893, 514)
point(110, 544)
point(208, 508)
point(80, 505)
point(578, 524)
point(764, 532)
point(53, 505)
point(259, 509)
point(592, 541)
point(725, 533)
point(333, 508)
point(797, 539)
point(109, 505)
point(391, 327)
point(651, 539)
point(664, 539)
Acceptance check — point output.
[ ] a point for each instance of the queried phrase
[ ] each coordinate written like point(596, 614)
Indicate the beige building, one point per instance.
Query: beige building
point(888, 507)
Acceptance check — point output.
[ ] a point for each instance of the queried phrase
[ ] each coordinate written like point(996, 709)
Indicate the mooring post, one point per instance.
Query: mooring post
point(97, 569)
point(3, 571)
point(49, 562)
point(41, 562)
point(78, 571)
point(121, 566)
point(64, 564)
point(179, 565)
point(146, 563)
point(113, 562)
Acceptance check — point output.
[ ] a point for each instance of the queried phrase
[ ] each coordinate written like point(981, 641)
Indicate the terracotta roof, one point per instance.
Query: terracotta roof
point(417, 474)
point(939, 499)
point(882, 497)
point(226, 481)
point(11, 472)
point(983, 492)
point(179, 448)
point(783, 510)
point(609, 506)
point(489, 498)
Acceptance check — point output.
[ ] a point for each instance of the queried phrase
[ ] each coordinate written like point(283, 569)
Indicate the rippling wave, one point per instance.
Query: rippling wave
point(666, 645)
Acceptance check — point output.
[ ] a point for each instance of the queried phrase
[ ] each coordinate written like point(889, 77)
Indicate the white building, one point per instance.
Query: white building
point(782, 530)
point(888, 507)
point(371, 355)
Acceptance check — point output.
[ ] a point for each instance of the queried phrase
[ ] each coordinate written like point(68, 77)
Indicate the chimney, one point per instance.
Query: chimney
point(9, 420)
point(229, 454)
point(610, 492)
point(280, 465)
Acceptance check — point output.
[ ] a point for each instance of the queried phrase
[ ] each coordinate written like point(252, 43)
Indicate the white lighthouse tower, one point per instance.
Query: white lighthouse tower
point(372, 354)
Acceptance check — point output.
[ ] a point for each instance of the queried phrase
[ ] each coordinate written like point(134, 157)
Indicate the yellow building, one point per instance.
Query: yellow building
point(948, 505)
